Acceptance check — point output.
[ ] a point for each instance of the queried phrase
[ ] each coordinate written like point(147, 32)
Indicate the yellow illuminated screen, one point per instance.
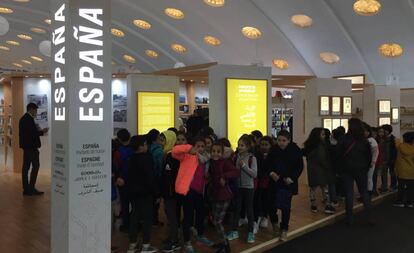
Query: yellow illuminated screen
point(246, 108)
point(155, 110)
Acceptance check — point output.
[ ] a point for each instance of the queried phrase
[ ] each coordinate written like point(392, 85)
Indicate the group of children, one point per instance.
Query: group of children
point(202, 179)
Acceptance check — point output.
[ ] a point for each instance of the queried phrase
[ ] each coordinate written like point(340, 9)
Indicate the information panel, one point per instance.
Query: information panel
point(246, 108)
point(155, 110)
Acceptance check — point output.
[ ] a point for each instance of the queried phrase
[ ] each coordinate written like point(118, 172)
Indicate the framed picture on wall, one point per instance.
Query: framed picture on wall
point(327, 123)
point(384, 121)
point(347, 105)
point(384, 107)
point(336, 123)
point(395, 115)
point(344, 123)
point(324, 105)
point(336, 106)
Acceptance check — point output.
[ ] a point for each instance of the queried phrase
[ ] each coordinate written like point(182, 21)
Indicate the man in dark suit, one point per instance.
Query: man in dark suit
point(29, 138)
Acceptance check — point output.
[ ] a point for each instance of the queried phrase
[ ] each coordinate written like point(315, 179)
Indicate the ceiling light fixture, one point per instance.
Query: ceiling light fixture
point(17, 65)
point(5, 10)
point(280, 64)
point(251, 32)
point(212, 41)
point(24, 37)
point(391, 50)
point(36, 58)
point(329, 57)
point(22, 1)
point(4, 48)
point(301, 20)
point(38, 30)
point(129, 58)
point(178, 48)
point(27, 62)
point(12, 42)
point(48, 21)
point(367, 7)
point(174, 13)
point(142, 24)
point(117, 33)
point(151, 53)
point(215, 3)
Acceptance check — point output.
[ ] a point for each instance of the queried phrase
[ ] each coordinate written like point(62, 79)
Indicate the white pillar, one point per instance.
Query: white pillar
point(81, 126)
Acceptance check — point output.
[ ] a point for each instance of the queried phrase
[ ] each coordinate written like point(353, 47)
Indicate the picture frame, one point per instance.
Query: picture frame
point(324, 105)
point(336, 123)
point(336, 105)
point(395, 115)
point(346, 106)
point(344, 123)
point(384, 106)
point(327, 123)
point(384, 121)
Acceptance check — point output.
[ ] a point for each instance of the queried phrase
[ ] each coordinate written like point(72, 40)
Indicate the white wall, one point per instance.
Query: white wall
point(138, 82)
point(217, 92)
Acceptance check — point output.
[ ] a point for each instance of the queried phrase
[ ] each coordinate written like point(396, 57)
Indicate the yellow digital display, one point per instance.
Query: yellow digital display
point(246, 108)
point(155, 110)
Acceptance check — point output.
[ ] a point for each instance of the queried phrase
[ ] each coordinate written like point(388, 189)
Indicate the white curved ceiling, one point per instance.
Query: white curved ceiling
point(336, 28)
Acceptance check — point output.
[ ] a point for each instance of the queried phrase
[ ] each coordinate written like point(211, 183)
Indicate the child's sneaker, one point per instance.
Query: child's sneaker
point(283, 236)
point(132, 248)
point(264, 223)
point(189, 249)
point(250, 238)
point(398, 204)
point(243, 222)
point(411, 205)
point(171, 247)
point(255, 228)
point(314, 209)
point(205, 241)
point(232, 235)
point(330, 209)
point(147, 248)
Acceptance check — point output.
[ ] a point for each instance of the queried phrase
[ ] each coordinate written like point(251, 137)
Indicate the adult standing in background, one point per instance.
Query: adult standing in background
point(29, 140)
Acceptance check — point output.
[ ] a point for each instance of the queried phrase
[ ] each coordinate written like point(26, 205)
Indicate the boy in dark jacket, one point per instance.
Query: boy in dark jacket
point(141, 189)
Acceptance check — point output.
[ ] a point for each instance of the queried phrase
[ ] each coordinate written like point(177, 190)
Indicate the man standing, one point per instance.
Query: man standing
point(29, 138)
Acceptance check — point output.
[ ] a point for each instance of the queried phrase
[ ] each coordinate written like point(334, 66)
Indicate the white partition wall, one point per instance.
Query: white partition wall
point(149, 83)
point(217, 92)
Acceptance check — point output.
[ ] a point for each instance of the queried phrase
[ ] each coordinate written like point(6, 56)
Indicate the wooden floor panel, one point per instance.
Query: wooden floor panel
point(25, 221)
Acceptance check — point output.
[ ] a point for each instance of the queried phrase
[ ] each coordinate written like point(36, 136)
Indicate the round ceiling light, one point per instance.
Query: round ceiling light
point(142, 24)
point(38, 30)
point(4, 26)
point(391, 50)
point(212, 41)
point(367, 7)
point(27, 62)
point(280, 64)
point(251, 32)
point(129, 58)
point(178, 48)
point(17, 65)
point(215, 3)
point(151, 53)
point(329, 57)
point(48, 21)
point(24, 37)
point(22, 1)
point(117, 33)
point(174, 13)
point(13, 43)
point(4, 48)
point(5, 10)
point(301, 20)
point(35, 58)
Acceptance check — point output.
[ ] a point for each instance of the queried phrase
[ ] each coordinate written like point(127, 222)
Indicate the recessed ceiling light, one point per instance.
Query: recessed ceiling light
point(36, 58)
point(280, 64)
point(215, 3)
point(329, 57)
point(38, 30)
point(41, 76)
point(142, 24)
point(301, 20)
point(4, 48)
point(151, 53)
point(17, 65)
point(367, 7)
point(12, 42)
point(113, 76)
point(5, 10)
point(24, 37)
point(27, 62)
point(213, 41)
point(22, 1)
point(117, 32)
point(391, 50)
point(129, 58)
point(48, 21)
point(178, 48)
point(251, 32)
point(174, 13)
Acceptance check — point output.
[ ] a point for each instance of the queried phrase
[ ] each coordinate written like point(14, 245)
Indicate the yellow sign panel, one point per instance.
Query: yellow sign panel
point(246, 108)
point(155, 110)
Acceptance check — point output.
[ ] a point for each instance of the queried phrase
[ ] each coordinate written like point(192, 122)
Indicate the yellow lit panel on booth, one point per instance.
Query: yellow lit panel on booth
point(246, 108)
point(155, 110)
